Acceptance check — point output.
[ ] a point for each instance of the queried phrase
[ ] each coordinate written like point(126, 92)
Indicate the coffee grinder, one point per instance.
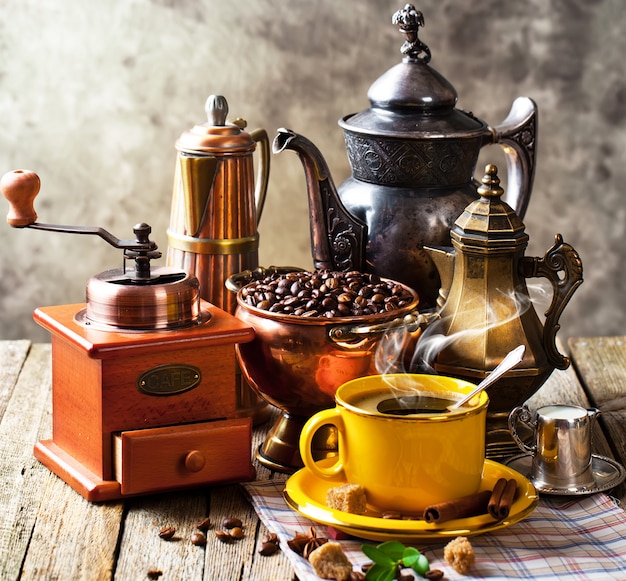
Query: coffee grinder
point(143, 374)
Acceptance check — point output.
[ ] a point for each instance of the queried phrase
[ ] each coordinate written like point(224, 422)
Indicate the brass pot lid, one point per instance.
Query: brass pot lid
point(412, 98)
point(489, 222)
point(169, 299)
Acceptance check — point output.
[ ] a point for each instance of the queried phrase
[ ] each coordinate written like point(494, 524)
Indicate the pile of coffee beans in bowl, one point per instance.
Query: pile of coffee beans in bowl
point(326, 293)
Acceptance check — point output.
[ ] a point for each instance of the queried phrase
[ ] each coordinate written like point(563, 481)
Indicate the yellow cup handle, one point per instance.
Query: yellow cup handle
point(325, 417)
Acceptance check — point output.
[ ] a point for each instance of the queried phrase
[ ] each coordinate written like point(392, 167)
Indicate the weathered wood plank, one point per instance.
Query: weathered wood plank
point(63, 536)
point(72, 538)
point(12, 357)
point(142, 550)
point(601, 366)
point(20, 473)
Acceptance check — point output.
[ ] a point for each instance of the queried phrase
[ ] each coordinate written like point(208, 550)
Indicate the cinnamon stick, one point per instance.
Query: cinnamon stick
point(463, 507)
point(502, 498)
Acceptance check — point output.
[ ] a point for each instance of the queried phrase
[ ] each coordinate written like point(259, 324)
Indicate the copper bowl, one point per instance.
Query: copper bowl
point(297, 363)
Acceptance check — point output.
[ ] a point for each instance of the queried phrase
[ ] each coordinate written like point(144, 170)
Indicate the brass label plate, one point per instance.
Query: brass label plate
point(169, 379)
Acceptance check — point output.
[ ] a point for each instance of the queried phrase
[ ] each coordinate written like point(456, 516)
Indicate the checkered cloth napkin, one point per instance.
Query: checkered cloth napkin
point(581, 539)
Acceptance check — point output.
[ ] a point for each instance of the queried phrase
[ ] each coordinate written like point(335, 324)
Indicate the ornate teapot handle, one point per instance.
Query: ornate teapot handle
point(562, 266)
point(517, 135)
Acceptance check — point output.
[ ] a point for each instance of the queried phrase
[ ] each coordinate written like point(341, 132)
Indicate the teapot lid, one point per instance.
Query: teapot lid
point(216, 135)
point(489, 221)
point(412, 96)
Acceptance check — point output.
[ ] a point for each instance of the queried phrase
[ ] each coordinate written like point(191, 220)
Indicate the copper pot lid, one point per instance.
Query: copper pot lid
point(412, 98)
point(169, 300)
point(216, 136)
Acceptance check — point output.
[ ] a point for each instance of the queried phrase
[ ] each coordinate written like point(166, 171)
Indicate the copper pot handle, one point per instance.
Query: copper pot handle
point(562, 266)
point(350, 334)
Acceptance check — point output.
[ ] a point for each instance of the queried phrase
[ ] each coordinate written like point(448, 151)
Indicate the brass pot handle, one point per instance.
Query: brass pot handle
point(562, 266)
point(260, 137)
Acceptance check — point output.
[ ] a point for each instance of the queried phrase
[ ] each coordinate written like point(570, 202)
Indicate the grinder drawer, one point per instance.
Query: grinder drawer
point(159, 459)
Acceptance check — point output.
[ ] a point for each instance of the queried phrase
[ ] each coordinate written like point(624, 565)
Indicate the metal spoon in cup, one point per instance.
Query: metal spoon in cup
point(415, 404)
point(510, 361)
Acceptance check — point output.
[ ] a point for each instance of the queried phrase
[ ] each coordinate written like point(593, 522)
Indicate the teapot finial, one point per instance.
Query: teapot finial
point(216, 108)
point(491, 183)
point(409, 20)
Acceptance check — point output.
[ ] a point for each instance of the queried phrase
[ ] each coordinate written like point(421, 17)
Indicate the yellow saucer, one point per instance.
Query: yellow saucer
point(306, 494)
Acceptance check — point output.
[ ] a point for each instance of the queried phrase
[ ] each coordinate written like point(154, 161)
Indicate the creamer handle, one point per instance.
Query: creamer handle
point(263, 172)
point(517, 135)
point(522, 414)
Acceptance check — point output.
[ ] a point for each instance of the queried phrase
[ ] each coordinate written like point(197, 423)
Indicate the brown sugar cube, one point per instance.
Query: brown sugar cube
point(330, 562)
point(459, 554)
point(347, 498)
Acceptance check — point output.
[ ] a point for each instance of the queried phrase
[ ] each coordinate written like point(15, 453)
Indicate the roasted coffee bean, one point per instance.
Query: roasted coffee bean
point(198, 539)
point(268, 549)
point(167, 533)
point(237, 533)
point(231, 522)
point(223, 536)
point(204, 525)
point(434, 575)
point(326, 294)
point(154, 574)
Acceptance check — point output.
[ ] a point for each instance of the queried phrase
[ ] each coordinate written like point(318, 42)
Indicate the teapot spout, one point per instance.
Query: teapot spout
point(443, 258)
point(337, 237)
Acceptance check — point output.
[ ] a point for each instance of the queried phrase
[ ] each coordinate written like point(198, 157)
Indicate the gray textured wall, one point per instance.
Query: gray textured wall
point(93, 96)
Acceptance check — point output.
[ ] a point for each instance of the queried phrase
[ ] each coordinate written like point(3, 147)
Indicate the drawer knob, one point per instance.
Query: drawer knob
point(194, 461)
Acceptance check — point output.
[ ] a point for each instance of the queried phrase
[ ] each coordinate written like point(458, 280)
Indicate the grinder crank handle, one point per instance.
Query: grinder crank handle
point(21, 186)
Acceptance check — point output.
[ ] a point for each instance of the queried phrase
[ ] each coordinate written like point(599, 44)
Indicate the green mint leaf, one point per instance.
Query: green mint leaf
point(410, 556)
point(378, 556)
point(421, 565)
point(381, 573)
point(394, 549)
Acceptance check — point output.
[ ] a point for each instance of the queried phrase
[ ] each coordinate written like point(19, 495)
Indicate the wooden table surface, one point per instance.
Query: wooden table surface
point(48, 531)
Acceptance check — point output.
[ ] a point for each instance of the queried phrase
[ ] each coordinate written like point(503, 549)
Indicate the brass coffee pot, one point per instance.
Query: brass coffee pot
point(488, 310)
point(413, 156)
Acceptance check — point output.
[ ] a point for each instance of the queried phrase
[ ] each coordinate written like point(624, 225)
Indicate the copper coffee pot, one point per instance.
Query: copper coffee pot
point(413, 156)
point(488, 310)
point(216, 204)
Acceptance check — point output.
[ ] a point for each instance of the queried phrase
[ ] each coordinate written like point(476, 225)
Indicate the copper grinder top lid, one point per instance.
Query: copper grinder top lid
point(169, 299)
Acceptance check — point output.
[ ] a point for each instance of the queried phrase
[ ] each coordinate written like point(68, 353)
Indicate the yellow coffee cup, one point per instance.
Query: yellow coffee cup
point(405, 455)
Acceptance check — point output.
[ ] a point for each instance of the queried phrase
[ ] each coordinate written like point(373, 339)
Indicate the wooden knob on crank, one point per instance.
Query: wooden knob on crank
point(20, 187)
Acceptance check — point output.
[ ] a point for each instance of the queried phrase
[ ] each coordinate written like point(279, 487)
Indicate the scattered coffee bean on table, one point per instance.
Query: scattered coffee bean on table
point(326, 293)
point(167, 533)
